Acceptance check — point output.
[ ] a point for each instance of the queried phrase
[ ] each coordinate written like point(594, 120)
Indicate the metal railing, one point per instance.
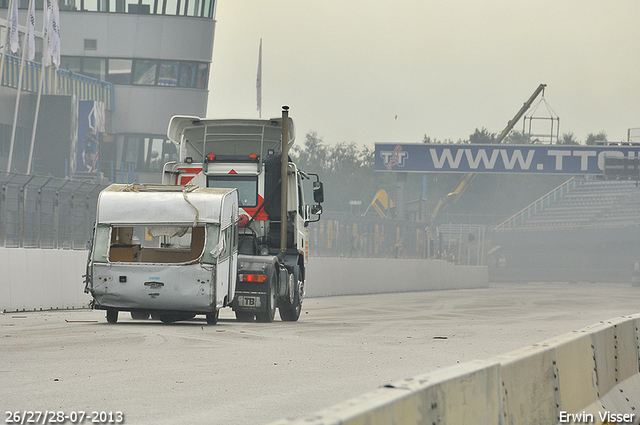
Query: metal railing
point(46, 212)
point(538, 205)
point(348, 235)
point(66, 82)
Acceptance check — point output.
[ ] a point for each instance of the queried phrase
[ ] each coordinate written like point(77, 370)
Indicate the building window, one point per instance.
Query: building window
point(203, 76)
point(72, 64)
point(145, 153)
point(144, 72)
point(119, 71)
point(168, 73)
point(140, 71)
point(94, 68)
point(191, 8)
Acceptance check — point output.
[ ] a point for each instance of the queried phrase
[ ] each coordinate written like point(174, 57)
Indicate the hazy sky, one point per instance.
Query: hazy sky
point(386, 71)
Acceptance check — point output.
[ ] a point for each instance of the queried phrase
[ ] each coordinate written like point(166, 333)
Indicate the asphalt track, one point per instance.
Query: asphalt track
point(255, 373)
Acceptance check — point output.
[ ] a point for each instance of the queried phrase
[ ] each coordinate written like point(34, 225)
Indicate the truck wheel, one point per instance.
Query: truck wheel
point(270, 314)
point(139, 315)
point(212, 318)
point(243, 316)
point(112, 315)
point(290, 312)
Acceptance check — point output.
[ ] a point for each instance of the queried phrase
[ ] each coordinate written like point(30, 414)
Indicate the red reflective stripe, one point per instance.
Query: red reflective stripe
point(185, 179)
point(251, 211)
point(186, 175)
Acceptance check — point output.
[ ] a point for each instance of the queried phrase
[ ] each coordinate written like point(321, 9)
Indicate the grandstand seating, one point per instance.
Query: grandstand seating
point(581, 203)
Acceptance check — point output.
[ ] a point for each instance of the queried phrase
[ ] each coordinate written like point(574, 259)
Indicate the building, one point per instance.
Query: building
point(156, 54)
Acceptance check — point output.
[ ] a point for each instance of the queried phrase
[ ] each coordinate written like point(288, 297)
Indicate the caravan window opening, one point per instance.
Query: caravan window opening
point(247, 187)
point(152, 243)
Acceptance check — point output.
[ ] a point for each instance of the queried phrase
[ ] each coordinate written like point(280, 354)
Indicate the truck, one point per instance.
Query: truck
point(252, 156)
point(164, 251)
point(228, 227)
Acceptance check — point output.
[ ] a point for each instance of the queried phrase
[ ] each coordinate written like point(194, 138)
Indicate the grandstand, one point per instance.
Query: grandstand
point(581, 203)
point(584, 230)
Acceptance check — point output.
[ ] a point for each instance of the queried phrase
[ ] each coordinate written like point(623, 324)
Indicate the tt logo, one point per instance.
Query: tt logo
point(395, 157)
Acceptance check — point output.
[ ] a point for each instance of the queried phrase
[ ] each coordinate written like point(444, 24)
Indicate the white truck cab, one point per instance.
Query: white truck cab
point(251, 155)
point(169, 252)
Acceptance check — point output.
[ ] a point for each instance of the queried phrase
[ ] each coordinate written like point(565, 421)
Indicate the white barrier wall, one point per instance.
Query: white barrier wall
point(42, 279)
point(355, 276)
point(49, 279)
point(590, 376)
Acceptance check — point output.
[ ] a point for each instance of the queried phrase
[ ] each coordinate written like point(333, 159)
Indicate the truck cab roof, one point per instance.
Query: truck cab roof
point(199, 136)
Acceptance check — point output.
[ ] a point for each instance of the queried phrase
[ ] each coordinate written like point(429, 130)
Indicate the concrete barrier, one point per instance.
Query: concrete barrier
point(42, 279)
point(355, 276)
point(49, 279)
point(589, 376)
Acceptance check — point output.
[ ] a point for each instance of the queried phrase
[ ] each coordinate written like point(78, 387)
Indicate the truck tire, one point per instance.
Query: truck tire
point(272, 299)
point(212, 318)
point(290, 310)
point(112, 315)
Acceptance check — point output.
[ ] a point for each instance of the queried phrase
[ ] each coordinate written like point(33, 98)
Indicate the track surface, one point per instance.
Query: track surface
point(254, 373)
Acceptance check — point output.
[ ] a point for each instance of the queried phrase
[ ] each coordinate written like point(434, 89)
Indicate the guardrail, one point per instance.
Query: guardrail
point(588, 376)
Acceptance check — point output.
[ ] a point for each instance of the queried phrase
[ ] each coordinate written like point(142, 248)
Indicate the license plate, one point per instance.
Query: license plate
point(246, 301)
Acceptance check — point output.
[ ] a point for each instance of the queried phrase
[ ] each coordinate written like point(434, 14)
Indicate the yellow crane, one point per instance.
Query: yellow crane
point(452, 197)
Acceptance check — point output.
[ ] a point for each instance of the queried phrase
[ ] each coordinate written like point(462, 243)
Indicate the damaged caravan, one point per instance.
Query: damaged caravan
point(169, 252)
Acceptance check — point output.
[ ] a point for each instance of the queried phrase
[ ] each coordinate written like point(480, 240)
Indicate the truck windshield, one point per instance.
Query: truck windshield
point(247, 187)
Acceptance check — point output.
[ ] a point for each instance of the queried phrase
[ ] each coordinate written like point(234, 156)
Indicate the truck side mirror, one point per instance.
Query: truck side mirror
point(318, 192)
point(316, 209)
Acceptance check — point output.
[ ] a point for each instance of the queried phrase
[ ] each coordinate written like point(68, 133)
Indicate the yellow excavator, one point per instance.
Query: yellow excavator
point(450, 198)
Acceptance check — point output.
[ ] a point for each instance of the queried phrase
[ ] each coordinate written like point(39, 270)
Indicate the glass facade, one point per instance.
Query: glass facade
point(192, 8)
point(139, 152)
point(140, 72)
point(132, 153)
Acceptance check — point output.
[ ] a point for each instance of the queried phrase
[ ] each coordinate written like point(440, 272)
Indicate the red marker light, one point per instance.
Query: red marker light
point(211, 156)
point(253, 157)
point(253, 277)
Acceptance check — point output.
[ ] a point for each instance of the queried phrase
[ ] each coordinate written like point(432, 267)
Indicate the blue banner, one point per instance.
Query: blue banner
point(522, 159)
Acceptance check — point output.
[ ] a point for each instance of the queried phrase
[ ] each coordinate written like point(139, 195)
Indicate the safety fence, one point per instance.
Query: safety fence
point(60, 81)
point(353, 235)
point(46, 212)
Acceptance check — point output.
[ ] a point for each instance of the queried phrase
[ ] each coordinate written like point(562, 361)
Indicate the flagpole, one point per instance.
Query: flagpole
point(45, 60)
point(259, 82)
point(20, 72)
point(14, 27)
point(3, 51)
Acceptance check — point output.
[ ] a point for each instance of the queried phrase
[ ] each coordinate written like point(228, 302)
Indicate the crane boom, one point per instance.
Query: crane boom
point(452, 197)
point(520, 113)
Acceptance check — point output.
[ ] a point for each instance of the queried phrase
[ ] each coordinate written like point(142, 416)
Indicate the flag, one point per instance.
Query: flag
point(32, 31)
point(13, 35)
point(46, 36)
point(259, 81)
point(55, 34)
